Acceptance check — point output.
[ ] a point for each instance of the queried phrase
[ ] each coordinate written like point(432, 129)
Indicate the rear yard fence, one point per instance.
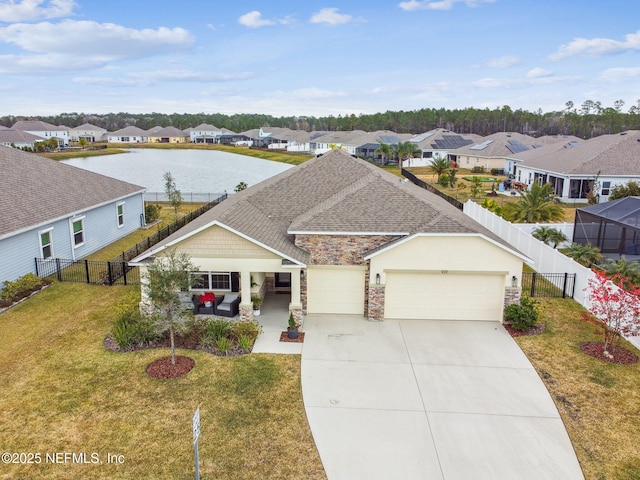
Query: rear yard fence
point(421, 183)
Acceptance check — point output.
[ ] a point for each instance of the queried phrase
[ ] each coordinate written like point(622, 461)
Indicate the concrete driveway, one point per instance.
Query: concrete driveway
point(418, 399)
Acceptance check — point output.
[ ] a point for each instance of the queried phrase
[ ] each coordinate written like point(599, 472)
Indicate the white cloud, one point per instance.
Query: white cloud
point(505, 61)
point(330, 16)
point(93, 40)
point(439, 5)
point(191, 76)
point(314, 92)
point(29, 10)
point(539, 73)
point(597, 47)
point(617, 75)
point(254, 20)
point(111, 82)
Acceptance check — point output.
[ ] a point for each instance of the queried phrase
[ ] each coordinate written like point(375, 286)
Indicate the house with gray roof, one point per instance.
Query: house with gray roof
point(53, 210)
point(168, 135)
point(492, 151)
point(88, 132)
point(129, 134)
point(575, 167)
point(440, 143)
point(339, 235)
point(45, 130)
point(19, 139)
point(204, 133)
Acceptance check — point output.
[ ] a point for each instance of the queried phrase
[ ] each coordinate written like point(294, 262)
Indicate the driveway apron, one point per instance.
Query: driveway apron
point(423, 399)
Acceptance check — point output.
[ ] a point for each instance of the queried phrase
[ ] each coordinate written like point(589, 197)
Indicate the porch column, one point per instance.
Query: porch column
point(296, 305)
point(246, 307)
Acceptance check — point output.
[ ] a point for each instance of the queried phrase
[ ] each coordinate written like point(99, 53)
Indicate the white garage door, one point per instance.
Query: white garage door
point(437, 296)
point(335, 290)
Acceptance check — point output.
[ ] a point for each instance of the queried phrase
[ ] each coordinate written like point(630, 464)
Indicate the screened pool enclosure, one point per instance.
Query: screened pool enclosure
point(613, 227)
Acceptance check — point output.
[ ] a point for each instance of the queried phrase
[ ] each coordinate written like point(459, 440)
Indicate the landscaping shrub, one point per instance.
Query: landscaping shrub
point(477, 169)
point(523, 316)
point(245, 342)
point(245, 329)
point(151, 212)
point(224, 345)
point(443, 180)
point(20, 288)
point(133, 329)
point(495, 172)
point(214, 330)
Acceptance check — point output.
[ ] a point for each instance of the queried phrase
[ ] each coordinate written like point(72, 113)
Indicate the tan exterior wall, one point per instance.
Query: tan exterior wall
point(171, 139)
point(219, 242)
point(454, 254)
point(470, 161)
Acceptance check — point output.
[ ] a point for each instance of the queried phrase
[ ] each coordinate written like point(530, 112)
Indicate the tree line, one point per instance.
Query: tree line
point(587, 120)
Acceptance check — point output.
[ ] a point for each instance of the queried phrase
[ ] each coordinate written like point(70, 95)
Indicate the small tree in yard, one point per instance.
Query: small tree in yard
point(172, 192)
point(616, 309)
point(166, 277)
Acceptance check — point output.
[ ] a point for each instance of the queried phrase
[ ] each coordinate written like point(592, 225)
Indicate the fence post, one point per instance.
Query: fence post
point(58, 270)
point(37, 270)
point(86, 270)
point(533, 285)
point(124, 272)
point(564, 287)
point(109, 273)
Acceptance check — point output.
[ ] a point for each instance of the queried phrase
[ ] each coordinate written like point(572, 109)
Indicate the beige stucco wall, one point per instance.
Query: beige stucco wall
point(461, 254)
point(470, 161)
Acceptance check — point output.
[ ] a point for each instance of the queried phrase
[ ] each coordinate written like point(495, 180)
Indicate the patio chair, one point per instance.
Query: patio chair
point(230, 305)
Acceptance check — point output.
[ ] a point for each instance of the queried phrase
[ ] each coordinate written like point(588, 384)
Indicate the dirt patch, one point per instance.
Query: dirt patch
point(163, 369)
point(535, 330)
point(619, 355)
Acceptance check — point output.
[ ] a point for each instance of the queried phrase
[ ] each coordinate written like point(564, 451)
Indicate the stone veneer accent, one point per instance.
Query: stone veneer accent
point(375, 311)
point(303, 293)
point(297, 315)
point(512, 295)
point(246, 313)
point(340, 249)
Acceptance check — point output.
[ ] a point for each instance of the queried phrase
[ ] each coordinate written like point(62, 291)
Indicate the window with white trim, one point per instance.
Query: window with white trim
point(78, 232)
point(120, 214)
point(606, 188)
point(46, 247)
point(211, 281)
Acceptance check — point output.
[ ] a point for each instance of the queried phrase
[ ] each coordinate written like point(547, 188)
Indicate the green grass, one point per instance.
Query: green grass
point(63, 392)
point(82, 154)
point(599, 402)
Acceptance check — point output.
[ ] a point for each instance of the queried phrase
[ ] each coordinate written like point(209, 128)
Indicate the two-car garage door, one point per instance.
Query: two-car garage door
point(444, 296)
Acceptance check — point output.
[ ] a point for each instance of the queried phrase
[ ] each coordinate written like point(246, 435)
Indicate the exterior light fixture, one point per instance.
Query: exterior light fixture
point(377, 279)
point(514, 281)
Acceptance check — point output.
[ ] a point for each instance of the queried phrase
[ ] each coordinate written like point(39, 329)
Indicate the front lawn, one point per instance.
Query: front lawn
point(599, 402)
point(62, 391)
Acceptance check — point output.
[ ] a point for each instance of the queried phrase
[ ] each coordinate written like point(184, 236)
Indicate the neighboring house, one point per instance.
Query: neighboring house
point(50, 209)
point(365, 145)
point(330, 140)
point(543, 146)
point(168, 135)
point(276, 138)
point(19, 139)
point(342, 236)
point(128, 135)
point(573, 168)
point(440, 143)
point(204, 133)
point(492, 151)
point(88, 132)
point(44, 130)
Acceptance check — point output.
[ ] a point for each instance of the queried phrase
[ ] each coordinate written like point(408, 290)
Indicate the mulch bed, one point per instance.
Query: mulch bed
point(163, 369)
point(621, 356)
point(284, 337)
point(535, 330)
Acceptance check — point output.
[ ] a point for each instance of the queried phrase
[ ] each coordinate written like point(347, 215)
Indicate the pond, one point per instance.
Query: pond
point(200, 171)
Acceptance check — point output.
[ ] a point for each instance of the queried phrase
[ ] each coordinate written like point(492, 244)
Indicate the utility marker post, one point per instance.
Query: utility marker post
point(196, 434)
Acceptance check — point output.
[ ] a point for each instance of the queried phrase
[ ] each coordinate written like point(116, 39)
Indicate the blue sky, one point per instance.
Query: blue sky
point(329, 57)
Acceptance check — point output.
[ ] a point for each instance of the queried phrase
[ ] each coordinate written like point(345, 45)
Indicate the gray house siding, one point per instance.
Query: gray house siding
point(17, 252)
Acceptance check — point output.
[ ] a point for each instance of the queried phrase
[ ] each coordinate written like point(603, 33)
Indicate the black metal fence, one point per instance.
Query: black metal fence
point(421, 183)
point(116, 271)
point(549, 285)
point(88, 271)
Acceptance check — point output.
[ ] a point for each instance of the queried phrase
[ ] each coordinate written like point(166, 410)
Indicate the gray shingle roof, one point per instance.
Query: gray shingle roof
point(129, 131)
point(334, 193)
point(617, 154)
point(36, 190)
point(19, 136)
point(36, 126)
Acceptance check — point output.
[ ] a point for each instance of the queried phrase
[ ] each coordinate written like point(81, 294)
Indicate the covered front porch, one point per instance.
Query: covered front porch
point(273, 318)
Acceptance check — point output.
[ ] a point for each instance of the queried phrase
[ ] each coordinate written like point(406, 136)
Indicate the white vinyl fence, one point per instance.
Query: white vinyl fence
point(544, 258)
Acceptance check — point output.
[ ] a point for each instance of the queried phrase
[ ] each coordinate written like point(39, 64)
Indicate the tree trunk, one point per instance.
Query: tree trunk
point(173, 347)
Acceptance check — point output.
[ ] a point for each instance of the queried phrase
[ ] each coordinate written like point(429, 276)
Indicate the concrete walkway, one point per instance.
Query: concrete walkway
point(417, 399)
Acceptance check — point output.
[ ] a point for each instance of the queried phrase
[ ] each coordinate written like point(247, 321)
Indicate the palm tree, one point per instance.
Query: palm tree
point(405, 150)
point(535, 206)
point(629, 272)
point(384, 150)
point(440, 165)
point(550, 236)
point(587, 255)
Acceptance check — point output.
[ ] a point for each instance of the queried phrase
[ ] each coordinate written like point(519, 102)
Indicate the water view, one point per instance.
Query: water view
point(193, 170)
